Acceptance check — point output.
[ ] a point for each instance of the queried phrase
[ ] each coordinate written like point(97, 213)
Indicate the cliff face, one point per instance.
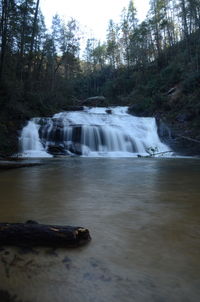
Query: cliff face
point(179, 137)
point(183, 118)
point(9, 133)
point(178, 118)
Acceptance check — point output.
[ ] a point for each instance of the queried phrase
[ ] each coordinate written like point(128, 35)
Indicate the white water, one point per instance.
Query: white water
point(30, 141)
point(94, 132)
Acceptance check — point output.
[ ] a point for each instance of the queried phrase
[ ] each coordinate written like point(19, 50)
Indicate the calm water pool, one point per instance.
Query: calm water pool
point(144, 219)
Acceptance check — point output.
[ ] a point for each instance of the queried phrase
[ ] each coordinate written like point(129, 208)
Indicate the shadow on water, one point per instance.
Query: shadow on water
point(143, 215)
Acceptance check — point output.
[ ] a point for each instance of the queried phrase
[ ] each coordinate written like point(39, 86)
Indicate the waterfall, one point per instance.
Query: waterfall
point(30, 143)
point(91, 132)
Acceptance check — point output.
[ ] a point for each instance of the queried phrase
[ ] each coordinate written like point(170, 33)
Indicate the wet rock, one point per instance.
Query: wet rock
point(75, 148)
point(76, 133)
point(164, 130)
point(56, 150)
point(178, 138)
point(73, 108)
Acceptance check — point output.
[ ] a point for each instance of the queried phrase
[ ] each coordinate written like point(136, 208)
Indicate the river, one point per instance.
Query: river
point(143, 216)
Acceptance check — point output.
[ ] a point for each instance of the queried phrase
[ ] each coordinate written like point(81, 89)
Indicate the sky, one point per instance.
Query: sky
point(93, 15)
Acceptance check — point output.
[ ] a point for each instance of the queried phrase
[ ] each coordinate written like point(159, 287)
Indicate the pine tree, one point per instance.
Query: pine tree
point(113, 49)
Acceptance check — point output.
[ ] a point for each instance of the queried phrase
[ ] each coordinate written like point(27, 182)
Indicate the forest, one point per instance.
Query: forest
point(152, 66)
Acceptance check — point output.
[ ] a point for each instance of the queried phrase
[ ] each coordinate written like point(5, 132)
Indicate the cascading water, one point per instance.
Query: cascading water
point(30, 142)
point(91, 132)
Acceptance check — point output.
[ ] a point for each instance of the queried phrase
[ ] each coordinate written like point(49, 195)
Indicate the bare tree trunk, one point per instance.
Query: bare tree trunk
point(32, 42)
point(22, 41)
point(4, 28)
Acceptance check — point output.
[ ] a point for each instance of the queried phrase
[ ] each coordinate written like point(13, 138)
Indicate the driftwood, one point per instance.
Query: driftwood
point(32, 233)
point(154, 154)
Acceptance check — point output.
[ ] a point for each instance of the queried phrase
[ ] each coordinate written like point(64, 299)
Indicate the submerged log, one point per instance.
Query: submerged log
point(32, 233)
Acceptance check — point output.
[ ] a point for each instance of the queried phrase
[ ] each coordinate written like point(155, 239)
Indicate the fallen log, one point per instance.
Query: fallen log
point(154, 154)
point(32, 234)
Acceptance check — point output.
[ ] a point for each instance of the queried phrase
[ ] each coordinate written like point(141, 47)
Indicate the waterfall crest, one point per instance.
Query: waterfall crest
point(91, 132)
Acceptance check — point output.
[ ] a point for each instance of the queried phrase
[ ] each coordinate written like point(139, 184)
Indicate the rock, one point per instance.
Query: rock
point(94, 101)
point(75, 148)
point(164, 130)
point(176, 136)
point(56, 150)
point(137, 110)
point(76, 133)
point(73, 108)
point(184, 117)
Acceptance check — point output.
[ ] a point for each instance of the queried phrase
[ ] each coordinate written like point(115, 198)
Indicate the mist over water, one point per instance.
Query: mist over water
point(93, 132)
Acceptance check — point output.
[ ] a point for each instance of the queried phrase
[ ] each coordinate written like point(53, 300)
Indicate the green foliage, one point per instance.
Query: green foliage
point(41, 72)
point(171, 75)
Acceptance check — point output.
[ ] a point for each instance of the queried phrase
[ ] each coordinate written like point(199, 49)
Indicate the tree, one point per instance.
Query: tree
point(113, 50)
point(8, 10)
point(70, 48)
point(129, 24)
point(99, 56)
point(33, 35)
point(88, 55)
point(56, 32)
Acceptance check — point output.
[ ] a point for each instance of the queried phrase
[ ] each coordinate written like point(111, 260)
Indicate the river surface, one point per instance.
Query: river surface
point(144, 219)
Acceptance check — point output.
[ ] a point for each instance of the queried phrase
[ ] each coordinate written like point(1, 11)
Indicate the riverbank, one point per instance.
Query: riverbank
point(178, 120)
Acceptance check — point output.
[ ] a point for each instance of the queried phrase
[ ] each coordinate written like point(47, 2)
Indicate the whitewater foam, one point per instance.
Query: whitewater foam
point(107, 132)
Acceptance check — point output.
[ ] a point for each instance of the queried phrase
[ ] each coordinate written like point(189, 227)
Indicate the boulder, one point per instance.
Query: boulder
point(56, 150)
point(74, 148)
point(73, 108)
point(109, 111)
point(94, 101)
point(137, 110)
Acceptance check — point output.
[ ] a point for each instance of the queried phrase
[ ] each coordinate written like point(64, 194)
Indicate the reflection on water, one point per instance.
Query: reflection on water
point(143, 215)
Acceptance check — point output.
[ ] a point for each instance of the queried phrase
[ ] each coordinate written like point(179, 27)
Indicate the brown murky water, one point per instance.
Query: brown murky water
point(144, 219)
